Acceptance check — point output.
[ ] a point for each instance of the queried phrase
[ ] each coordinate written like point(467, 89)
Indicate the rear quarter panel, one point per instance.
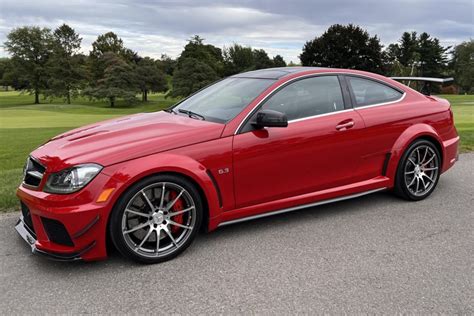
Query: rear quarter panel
point(391, 128)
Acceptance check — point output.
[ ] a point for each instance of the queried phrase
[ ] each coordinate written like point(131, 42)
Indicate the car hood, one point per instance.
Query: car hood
point(124, 138)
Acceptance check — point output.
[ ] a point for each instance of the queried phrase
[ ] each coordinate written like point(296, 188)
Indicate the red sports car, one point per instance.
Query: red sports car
point(255, 144)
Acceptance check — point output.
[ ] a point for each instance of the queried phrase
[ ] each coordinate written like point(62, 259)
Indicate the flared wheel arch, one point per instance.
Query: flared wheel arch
point(404, 142)
point(202, 195)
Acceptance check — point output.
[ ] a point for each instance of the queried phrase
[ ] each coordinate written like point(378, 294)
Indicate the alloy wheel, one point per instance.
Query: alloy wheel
point(158, 219)
point(421, 170)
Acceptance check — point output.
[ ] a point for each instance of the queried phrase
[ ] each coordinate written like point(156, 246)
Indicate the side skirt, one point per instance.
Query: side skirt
point(295, 208)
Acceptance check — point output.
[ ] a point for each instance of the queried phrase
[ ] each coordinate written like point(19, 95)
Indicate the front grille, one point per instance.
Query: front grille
point(25, 211)
point(33, 172)
point(56, 232)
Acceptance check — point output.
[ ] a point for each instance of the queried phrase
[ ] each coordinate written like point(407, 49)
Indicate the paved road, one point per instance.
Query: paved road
point(371, 254)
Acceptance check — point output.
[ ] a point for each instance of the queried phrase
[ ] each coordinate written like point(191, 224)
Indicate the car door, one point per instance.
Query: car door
point(319, 149)
point(385, 116)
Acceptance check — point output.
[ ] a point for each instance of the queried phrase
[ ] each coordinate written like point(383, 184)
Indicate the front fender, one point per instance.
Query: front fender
point(404, 140)
point(125, 174)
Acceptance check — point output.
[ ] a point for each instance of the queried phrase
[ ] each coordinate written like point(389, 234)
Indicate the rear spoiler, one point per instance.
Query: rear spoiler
point(426, 89)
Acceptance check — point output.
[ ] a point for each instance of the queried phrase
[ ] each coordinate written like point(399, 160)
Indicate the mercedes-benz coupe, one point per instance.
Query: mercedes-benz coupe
point(251, 145)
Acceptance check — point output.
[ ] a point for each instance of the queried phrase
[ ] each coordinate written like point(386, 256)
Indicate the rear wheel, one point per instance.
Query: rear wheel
point(418, 171)
point(156, 219)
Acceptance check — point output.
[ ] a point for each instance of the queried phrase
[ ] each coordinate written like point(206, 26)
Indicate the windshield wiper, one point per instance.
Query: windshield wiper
point(170, 110)
point(192, 114)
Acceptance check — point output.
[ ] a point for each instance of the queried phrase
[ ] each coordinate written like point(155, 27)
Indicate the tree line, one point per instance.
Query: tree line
point(50, 63)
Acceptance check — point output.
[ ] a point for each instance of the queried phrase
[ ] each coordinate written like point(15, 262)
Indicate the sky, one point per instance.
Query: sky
point(155, 27)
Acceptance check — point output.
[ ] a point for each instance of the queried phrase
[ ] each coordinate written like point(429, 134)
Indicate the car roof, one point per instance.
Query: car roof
point(274, 73)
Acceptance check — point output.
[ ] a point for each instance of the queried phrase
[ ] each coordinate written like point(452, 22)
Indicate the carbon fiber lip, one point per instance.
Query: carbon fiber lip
point(24, 232)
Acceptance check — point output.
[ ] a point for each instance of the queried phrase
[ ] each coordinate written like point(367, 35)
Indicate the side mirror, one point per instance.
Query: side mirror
point(270, 118)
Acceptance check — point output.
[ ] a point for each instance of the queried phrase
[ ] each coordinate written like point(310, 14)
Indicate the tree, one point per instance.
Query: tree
point(4, 68)
point(278, 61)
point(261, 59)
point(149, 77)
point(344, 47)
point(166, 64)
point(206, 53)
point(190, 76)
point(118, 81)
point(30, 48)
point(433, 58)
point(106, 43)
point(237, 59)
point(198, 65)
point(407, 51)
point(463, 65)
point(415, 55)
point(66, 64)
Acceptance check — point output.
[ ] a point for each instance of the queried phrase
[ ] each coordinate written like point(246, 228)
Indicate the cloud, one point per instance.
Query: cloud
point(280, 27)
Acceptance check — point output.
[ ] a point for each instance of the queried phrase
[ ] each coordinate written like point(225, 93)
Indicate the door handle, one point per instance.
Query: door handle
point(343, 126)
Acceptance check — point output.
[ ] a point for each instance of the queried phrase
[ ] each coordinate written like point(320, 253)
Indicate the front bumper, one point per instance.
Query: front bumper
point(65, 227)
point(30, 237)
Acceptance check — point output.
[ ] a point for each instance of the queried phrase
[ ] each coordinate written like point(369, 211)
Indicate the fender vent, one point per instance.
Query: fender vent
point(385, 163)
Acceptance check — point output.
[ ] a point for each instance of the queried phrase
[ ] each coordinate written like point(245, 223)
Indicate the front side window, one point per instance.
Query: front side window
point(223, 100)
point(369, 92)
point(308, 97)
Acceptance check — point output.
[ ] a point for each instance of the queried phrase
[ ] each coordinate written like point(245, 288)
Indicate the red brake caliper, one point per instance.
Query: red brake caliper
point(178, 206)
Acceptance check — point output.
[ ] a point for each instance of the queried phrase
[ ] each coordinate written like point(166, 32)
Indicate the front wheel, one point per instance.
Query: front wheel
point(156, 219)
point(418, 171)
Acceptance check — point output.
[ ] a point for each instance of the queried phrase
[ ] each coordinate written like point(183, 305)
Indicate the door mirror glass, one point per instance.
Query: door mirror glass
point(270, 118)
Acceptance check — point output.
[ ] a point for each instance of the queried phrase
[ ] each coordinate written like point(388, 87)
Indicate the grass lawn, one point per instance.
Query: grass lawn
point(24, 126)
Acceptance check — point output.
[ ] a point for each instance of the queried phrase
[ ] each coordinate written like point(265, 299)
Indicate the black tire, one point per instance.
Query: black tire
point(402, 188)
point(120, 237)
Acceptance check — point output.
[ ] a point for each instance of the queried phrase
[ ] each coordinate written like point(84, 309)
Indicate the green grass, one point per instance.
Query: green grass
point(463, 108)
point(24, 126)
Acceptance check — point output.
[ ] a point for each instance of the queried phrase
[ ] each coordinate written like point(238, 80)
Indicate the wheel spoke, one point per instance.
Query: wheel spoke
point(179, 225)
point(137, 213)
point(181, 211)
point(430, 169)
point(144, 239)
point(418, 155)
point(423, 182)
point(148, 201)
point(424, 156)
point(158, 234)
point(162, 201)
point(429, 178)
point(167, 231)
point(411, 183)
point(170, 205)
point(409, 159)
point(136, 228)
point(429, 160)
point(417, 184)
point(410, 172)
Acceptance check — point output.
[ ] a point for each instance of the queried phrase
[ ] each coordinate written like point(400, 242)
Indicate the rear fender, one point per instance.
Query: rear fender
point(403, 142)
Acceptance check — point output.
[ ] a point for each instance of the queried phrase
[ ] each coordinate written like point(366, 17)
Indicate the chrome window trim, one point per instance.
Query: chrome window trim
point(319, 115)
point(251, 112)
point(383, 103)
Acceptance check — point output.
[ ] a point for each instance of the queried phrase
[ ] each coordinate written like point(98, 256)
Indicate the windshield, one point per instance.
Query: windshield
point(223, 100)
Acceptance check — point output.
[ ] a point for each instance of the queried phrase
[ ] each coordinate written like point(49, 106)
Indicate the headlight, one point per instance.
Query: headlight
point(72, 179)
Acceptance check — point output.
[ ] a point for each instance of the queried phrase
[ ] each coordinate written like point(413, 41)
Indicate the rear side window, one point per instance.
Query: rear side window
point(308, 97)
point(369, 92)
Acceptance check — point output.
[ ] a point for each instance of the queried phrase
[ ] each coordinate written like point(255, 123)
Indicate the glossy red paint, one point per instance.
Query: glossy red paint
point(311, 160)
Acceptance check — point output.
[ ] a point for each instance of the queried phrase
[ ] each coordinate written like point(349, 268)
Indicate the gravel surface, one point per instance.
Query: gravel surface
point(374, 254)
